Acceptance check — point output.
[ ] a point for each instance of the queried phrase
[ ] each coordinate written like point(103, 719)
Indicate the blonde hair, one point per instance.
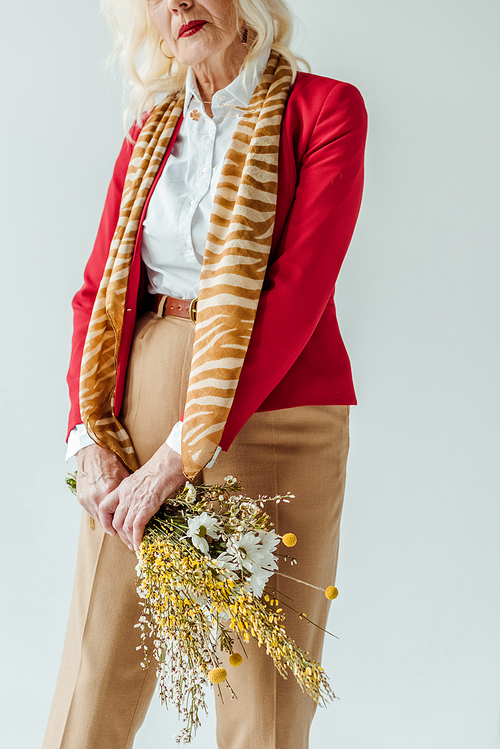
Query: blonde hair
point(149, 74)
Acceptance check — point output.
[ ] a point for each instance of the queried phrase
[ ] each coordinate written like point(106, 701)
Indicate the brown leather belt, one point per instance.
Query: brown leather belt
point(168, 305)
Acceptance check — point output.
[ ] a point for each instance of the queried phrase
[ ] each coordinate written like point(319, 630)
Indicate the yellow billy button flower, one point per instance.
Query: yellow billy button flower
point(235, 659)
point(289, 539)
point(217, 675)
point(331, 592)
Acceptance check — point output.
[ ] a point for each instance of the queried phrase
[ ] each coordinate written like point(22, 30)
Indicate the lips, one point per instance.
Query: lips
point(190, 28)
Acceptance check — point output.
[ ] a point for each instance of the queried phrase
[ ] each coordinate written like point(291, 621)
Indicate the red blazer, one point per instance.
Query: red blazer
point(296, 356)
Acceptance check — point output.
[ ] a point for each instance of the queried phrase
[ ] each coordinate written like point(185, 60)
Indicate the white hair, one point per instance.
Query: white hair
point(149, 74)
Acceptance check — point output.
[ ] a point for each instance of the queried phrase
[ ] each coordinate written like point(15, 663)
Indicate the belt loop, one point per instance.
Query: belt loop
point(161, 305)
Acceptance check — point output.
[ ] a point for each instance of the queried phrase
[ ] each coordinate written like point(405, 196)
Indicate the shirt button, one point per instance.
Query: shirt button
point(193, 202)
point(204, 170)
point(222, 97)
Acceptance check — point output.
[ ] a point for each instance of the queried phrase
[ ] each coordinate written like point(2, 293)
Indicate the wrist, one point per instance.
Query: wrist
point(169, 464)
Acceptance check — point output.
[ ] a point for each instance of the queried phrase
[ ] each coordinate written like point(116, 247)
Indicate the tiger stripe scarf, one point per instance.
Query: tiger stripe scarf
point(234, 265)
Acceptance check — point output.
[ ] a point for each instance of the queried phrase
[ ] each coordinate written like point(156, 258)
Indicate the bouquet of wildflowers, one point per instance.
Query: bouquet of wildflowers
point(204, 561)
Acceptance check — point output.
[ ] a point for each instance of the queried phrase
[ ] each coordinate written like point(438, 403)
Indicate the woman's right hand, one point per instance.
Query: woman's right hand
point(99, 472)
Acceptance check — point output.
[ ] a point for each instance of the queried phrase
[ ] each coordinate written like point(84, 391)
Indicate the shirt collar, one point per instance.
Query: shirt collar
point(236, 91)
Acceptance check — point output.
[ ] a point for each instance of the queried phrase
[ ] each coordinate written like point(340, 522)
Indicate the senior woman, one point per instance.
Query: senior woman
point(206, 321)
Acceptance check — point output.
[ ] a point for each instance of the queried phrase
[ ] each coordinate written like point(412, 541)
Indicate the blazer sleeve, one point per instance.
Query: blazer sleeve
point(301, 279)
point(83, 301)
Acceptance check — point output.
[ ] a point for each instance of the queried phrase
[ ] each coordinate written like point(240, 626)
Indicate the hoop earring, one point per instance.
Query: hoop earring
point(244, 37)
point(163, 53)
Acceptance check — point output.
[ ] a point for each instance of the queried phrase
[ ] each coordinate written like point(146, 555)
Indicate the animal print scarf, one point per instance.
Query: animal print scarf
point(238, 244)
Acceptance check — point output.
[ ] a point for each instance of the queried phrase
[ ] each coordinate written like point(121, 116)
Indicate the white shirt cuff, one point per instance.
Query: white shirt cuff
point(174, 440)
point(77, 439)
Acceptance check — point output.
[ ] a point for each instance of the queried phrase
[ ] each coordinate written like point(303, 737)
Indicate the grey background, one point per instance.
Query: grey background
point(417, 662)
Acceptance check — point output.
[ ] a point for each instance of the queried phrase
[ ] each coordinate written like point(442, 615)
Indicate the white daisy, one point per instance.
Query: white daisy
point(257, 580)
point(269, 540)
point(226, 562)
point(191, 492)
point(201, 526)
point(247, 549)
point(243, 548)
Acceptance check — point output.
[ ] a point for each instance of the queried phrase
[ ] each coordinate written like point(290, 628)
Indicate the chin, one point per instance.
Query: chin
point(195, 56)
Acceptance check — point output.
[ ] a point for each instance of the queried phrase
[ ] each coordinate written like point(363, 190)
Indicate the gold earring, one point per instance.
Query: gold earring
point(163, 53)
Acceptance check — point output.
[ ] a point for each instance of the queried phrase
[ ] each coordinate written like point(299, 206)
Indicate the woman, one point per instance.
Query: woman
point(241, 188)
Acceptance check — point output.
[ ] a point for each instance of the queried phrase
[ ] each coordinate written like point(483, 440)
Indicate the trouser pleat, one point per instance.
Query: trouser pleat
point(102, 692)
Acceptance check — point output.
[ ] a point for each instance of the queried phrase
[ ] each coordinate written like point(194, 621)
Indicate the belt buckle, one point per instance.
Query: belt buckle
point(192, 309)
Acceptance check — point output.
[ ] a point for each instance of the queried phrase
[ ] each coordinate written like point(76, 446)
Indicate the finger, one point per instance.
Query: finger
point(119, 520)
point(128, 528)
point(106, 520)
point(93, 516)
point(141, 520)
point(106, 512)
point(90, 508)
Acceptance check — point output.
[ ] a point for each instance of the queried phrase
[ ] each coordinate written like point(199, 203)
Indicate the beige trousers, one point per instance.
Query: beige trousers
point(102, 693)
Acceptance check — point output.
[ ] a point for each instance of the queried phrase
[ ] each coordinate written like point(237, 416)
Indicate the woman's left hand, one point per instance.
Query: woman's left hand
point(129, 507)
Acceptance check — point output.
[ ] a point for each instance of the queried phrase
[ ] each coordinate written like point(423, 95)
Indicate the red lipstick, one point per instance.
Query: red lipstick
point(191, 28)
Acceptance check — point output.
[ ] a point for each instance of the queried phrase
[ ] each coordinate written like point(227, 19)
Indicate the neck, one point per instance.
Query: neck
point(217, 72)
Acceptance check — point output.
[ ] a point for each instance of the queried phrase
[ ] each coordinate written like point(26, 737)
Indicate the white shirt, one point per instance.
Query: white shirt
point(176, 222)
